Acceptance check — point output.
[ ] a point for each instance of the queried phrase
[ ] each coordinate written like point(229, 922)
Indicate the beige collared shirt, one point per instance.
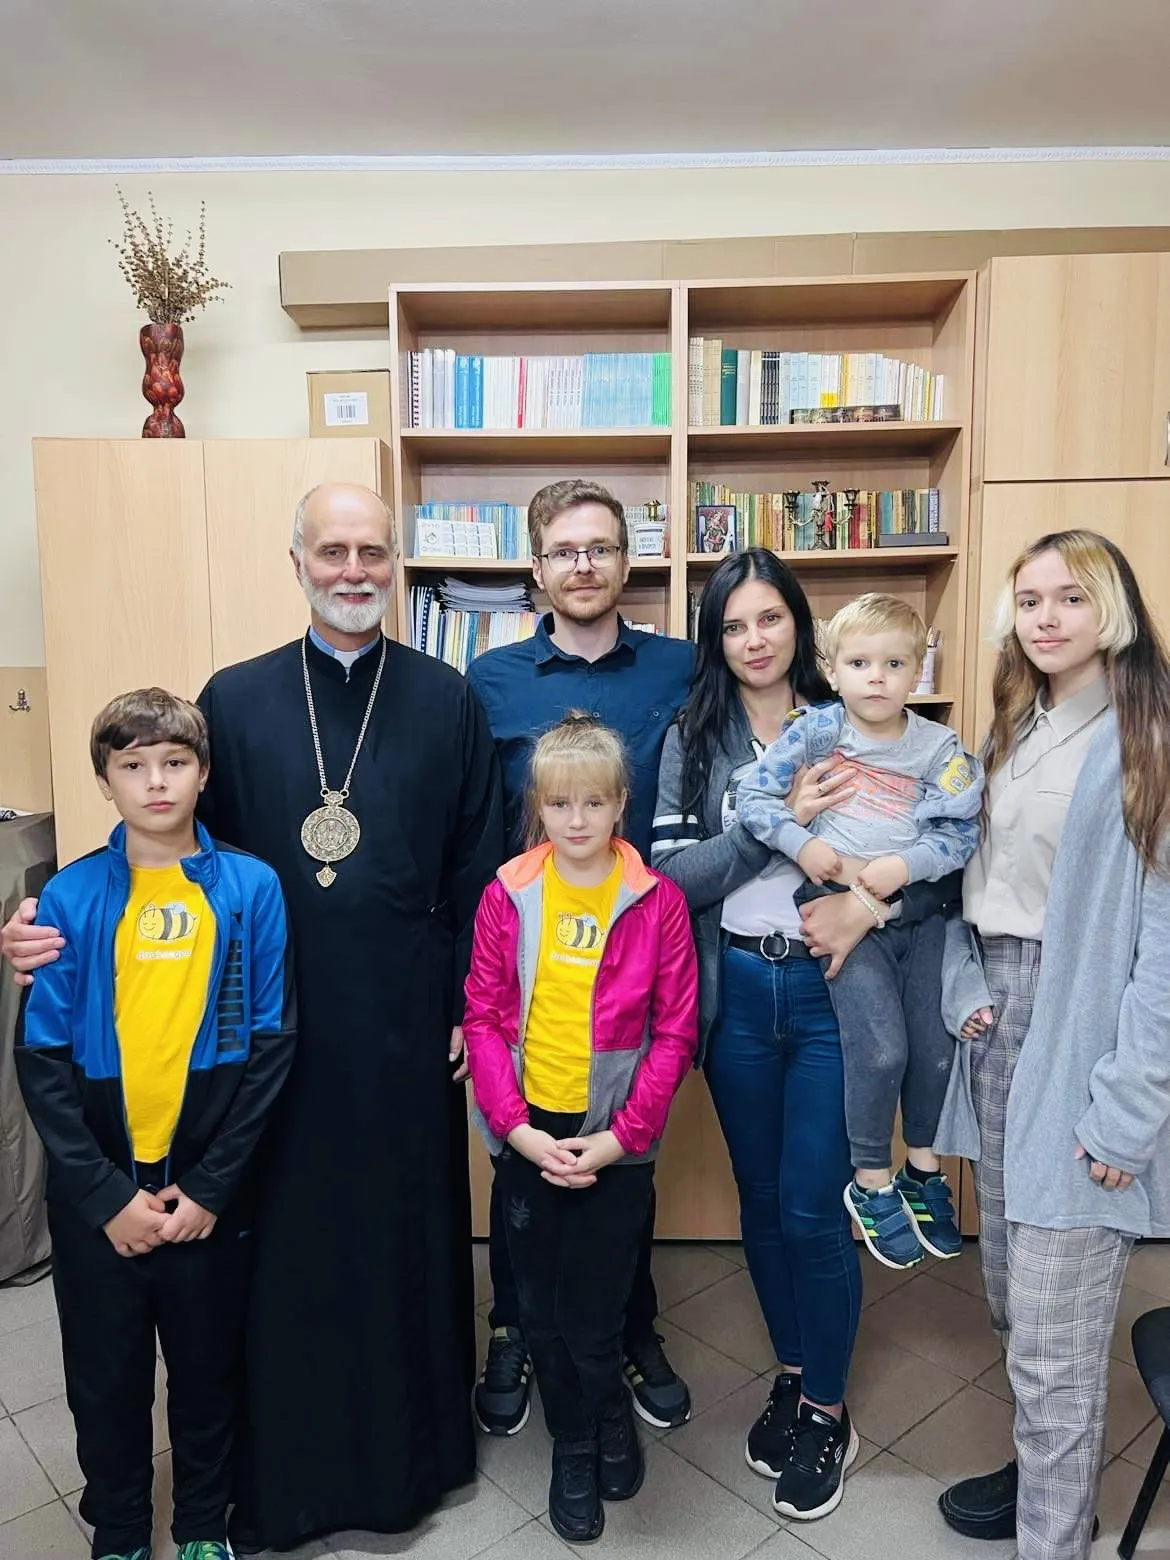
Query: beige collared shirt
point(1005, 888)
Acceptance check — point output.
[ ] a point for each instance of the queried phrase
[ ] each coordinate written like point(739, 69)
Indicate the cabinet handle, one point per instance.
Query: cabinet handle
point(1166, 462)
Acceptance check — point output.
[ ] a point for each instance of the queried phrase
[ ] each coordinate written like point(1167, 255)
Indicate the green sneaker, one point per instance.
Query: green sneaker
point(131, 1554)
point(202, 1549)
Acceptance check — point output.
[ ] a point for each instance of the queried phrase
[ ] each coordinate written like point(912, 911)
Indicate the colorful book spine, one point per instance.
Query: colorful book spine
point(725, 386)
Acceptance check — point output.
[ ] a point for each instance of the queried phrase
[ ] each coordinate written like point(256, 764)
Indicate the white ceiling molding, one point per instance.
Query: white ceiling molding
point(585, 162)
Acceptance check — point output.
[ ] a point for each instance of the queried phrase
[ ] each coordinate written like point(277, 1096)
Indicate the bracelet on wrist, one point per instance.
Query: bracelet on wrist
point(869, 902)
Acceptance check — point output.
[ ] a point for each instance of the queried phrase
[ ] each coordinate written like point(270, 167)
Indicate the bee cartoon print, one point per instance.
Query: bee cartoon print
point(579, 932)
point(166, 923)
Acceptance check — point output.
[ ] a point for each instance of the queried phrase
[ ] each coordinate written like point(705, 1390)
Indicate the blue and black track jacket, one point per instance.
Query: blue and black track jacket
point(67, 1054)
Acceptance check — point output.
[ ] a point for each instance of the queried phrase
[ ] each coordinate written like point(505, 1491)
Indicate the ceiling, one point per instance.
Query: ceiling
point(128, 79)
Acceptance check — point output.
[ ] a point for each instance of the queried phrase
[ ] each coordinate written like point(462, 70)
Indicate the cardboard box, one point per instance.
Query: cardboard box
point(353, 405)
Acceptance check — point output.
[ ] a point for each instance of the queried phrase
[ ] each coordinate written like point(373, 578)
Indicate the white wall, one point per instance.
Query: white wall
point(69, 359)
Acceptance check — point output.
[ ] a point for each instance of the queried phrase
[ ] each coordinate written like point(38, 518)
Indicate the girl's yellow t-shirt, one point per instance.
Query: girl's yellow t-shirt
point(558, 1038)
point(162, 966)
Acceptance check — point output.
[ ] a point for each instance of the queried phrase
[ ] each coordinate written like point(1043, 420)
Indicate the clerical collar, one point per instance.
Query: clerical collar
point(346, 657)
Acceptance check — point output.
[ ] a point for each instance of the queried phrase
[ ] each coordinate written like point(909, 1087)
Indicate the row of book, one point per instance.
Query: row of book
point(724, 520)
point(478, 530)
point(491, 530)
point(730, 386)
point(455, 621)
point(449, 389)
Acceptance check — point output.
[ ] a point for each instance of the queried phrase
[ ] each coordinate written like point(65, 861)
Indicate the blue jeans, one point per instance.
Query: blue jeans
point(775, 1074)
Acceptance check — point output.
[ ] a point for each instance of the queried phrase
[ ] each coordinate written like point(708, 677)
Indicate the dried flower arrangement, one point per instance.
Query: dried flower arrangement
point(170, 287)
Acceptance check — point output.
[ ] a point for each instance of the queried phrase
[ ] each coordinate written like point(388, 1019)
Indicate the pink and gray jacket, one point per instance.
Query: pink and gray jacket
point(644, 1020)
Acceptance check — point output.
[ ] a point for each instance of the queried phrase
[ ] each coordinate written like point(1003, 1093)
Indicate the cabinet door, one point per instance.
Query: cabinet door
point(1078, 367)
point(253, 488)
point(124, 586)
point(1135, 515)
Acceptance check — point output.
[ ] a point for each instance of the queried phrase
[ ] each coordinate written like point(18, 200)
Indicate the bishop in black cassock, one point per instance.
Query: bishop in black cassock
point(361, 1344)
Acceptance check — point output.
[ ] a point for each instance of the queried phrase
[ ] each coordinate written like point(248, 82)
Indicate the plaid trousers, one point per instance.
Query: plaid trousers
point(1053, 1296)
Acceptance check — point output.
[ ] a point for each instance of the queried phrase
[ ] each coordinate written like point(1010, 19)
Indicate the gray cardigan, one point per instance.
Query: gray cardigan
point(1095, 1066)
point(706, 862)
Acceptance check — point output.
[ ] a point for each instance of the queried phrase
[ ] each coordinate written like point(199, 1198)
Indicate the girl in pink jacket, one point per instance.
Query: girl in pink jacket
point(581, 1022)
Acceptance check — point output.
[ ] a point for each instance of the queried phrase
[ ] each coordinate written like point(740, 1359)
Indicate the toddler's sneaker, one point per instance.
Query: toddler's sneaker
point(932, 1213)
point(885, 1224)
point(204, 1549)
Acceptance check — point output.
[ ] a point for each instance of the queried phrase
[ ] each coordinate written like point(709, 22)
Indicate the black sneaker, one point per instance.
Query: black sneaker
point(501, 1397)
point(985, 1507)
point(661, 1397)
point(769, 1439)
point(621, 1468)
point(574, 1497)
point(812, 1480)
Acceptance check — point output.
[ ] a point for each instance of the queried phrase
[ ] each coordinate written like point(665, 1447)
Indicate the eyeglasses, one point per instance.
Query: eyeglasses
point(562, 559)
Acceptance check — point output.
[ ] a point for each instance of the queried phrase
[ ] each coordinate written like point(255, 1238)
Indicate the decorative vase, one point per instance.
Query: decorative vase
point(162, 347)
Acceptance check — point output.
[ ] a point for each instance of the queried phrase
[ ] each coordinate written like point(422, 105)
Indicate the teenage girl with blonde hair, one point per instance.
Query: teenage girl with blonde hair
point(1067, 912)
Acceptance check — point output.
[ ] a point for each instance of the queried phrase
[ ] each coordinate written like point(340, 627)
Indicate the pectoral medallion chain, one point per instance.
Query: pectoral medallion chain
point(330, 833)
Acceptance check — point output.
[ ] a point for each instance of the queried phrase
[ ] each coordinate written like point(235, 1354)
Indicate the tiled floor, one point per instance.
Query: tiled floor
point(928, 1395)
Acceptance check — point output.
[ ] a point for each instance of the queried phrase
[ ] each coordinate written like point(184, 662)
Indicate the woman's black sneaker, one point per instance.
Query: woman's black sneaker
point(769, 1439)
point(501, 1396)
point(574, 1495)
point(811, 1482)
point(621, 1468)
point(661, 1396)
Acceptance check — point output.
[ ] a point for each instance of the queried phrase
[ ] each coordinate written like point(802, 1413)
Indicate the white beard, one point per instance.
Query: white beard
point(348, 617)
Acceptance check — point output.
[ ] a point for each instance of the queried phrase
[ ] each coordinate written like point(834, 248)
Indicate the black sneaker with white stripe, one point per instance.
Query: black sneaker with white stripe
point(661, 1396)
point(811, 1482)
point(502, 1394)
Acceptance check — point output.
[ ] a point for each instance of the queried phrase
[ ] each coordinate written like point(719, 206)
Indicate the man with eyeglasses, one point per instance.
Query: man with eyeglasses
point(584, 656)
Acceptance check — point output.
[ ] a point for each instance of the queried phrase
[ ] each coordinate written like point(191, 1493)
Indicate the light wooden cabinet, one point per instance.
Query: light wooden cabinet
point(1135, 515)
point(160, 562)
point(123, 552)
point(1078, 368)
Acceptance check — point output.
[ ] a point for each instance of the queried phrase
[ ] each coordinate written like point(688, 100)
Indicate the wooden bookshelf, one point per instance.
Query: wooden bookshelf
point(928, 320)
point(508, 465)
point(925, 320)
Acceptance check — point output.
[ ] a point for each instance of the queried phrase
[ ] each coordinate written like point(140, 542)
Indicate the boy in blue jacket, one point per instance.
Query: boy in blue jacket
point(149, 1056)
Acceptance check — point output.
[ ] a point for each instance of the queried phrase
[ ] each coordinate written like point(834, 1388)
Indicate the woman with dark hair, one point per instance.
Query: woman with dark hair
point(1064, 960)
point(768, 1036)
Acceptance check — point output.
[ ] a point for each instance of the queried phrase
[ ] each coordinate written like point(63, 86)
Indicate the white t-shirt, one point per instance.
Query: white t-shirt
point(763, 904)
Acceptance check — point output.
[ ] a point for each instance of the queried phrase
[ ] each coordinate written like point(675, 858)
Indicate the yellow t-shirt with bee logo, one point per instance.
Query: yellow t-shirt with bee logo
point(162, 965)
point(557, 1040)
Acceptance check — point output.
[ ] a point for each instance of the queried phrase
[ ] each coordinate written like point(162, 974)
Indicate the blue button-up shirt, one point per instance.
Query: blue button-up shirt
point(636, 689)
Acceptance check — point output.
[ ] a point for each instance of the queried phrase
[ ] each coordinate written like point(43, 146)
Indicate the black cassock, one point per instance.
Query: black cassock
point(361, 1342)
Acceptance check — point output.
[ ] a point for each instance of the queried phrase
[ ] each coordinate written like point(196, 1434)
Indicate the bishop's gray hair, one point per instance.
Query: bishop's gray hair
point(298, 532)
